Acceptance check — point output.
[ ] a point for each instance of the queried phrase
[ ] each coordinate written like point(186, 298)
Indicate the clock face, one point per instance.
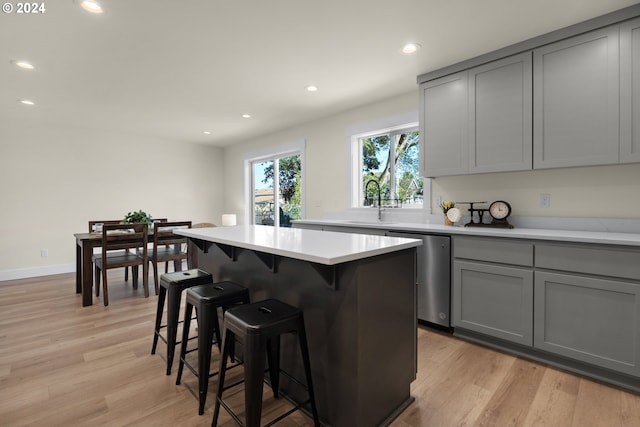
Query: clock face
point(500, 210)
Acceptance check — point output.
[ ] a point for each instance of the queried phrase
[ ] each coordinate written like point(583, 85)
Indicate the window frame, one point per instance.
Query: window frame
point(273, 154)
point(356, 194)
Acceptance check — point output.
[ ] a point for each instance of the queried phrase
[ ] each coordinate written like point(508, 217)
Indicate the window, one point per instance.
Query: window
point(276, 189)
point(391, 159)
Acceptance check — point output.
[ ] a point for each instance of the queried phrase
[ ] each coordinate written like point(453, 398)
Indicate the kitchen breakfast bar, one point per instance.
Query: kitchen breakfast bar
point(357, 293)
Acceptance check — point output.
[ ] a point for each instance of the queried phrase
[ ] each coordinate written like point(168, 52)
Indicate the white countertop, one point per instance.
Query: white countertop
point(308, 245)
point(627, 239)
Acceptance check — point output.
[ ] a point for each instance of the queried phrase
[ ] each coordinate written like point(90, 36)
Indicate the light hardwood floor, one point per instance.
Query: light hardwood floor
point(65, 365)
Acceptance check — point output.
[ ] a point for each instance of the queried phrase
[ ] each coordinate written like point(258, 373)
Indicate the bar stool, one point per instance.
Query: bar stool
point(207, 299)
point(258, 326)
point(171, 287)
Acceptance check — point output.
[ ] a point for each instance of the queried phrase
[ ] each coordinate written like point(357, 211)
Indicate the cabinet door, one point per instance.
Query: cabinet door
point(494, 300)
point(443, 126)
point(576, 95)
point(500, 118)
point(589, 319)
point(630, 91)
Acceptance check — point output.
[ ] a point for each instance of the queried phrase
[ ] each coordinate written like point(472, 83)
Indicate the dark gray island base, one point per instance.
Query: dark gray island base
point(360, 320)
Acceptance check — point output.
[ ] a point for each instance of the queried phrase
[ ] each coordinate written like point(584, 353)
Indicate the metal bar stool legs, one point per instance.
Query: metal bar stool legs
point(206, 299)
point(171, 287)
point(258, 327)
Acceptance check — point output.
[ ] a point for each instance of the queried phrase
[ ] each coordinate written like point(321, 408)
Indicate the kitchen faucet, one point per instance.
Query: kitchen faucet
point(366, 198)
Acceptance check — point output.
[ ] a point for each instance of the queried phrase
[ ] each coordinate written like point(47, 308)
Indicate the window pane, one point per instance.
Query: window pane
point(408, 184)
point(289, 190)
point(263, 196)
point(375, 166)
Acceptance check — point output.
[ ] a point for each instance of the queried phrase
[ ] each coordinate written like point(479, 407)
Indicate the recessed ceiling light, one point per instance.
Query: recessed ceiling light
point(26, 102)
point(311, 88)
point(206, 132)
point(246, 116)
point(91, 6)
point(410, 48)
point(24, 65)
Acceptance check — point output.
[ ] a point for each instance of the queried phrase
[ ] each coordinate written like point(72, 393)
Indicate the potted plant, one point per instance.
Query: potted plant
point(139, 216)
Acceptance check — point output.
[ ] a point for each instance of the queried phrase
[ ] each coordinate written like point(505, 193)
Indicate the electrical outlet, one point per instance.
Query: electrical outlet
point(545, 200)
point(44, 253)
point(438, 200)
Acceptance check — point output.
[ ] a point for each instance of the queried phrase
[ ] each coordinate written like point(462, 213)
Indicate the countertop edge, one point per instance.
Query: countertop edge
point(216, 235)
point(595, 237)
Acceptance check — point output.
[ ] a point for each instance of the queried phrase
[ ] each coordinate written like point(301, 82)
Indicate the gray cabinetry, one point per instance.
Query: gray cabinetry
point(588, 319)
point(478, 120)
point(630, 91)
point(500, 121)
point(491, 296)
point(576, 101)
point(443, 126)
point(587, 304)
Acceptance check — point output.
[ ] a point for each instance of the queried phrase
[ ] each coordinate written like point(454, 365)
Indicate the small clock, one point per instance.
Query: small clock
point(454, 214)
point(500, 210)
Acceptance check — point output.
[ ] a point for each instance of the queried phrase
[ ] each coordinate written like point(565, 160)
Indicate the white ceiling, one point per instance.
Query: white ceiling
point(173, 69)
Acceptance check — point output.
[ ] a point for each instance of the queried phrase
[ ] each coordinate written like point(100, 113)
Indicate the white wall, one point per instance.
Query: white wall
point(53, 180)
point(591, 192)
point(327, 153)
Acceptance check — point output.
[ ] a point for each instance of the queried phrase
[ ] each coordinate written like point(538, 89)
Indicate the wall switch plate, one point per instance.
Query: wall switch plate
point(44, 253)
point(545, 200)
point(438, 201)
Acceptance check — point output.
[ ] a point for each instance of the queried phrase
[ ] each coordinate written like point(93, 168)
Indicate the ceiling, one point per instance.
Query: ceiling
point(173, 69)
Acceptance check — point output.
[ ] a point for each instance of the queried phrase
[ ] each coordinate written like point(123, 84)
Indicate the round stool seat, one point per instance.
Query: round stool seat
point(220, 293)
point(268, 317)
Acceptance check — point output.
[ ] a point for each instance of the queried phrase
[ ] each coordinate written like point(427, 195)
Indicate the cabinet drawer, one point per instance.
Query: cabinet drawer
point(501, 251)
point(610, 261)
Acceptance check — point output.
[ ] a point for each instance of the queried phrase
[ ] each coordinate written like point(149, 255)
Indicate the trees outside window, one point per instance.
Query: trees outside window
point(392, 160)
point(277, 194)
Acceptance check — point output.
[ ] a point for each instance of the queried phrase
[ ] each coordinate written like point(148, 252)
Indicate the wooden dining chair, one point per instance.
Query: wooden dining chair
point(92, 225)
point(123, 245)
point(168, 246)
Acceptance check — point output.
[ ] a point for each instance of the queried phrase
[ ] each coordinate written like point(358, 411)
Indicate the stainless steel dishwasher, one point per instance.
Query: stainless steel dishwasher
point(433, 277)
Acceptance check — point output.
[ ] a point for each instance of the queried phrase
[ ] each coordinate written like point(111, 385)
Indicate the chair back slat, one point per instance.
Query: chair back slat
point(125, 236)
point(163, 233)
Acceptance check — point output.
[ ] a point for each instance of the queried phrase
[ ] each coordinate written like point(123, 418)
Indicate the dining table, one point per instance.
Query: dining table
point(85, 244)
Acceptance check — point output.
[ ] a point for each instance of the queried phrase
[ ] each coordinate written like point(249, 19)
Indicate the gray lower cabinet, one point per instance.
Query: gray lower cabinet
point(494, 300)
point(588, 319)
point(630, 91)
point(576, 101)
point(492, 290)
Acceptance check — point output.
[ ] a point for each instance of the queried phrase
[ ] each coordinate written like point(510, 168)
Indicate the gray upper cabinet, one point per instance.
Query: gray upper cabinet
point(630, 91)
point(443, 126)
point(576, 101)
point(500, 118)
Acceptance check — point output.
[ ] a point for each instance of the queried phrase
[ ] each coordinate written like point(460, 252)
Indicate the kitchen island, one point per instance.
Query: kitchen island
point(357, 293)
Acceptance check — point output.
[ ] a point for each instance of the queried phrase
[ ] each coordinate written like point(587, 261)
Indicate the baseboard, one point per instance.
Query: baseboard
point(24, 273)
